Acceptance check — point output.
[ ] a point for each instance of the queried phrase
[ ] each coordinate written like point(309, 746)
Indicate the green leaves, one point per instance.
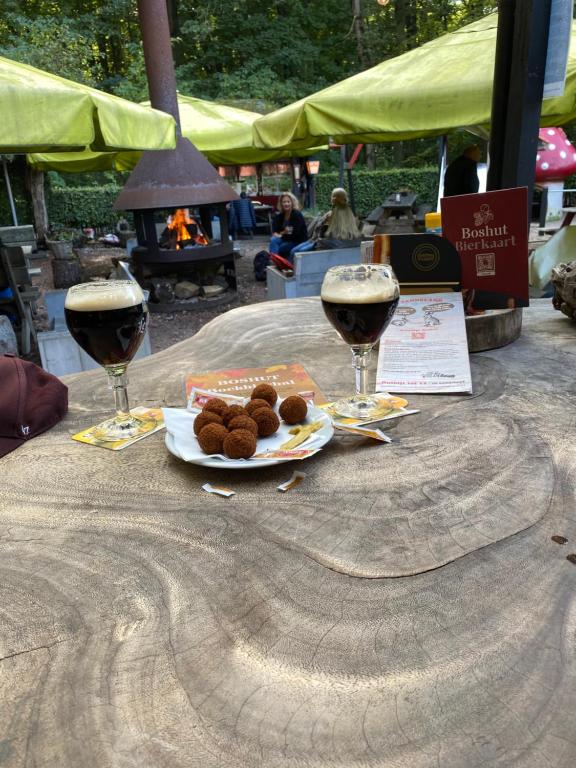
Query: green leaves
point(276, 50)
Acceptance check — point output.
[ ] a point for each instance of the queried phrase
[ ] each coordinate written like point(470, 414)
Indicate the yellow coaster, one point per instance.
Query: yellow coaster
point(151, 420)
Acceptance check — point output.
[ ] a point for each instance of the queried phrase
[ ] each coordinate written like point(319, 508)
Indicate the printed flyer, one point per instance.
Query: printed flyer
point(425, 349)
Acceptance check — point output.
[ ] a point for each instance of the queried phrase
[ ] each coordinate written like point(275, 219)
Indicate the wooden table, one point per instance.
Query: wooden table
point(404, 606)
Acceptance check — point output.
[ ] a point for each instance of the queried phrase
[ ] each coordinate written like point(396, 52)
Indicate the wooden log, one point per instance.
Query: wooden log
point(496, 328)
point(66, 272)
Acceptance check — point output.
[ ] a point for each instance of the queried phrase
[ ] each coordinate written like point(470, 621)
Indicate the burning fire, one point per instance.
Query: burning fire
point(185, 228)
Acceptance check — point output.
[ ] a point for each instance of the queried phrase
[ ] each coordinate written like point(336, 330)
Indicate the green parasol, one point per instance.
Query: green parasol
point(43, 112)
point(222, 133)
point(432, 90)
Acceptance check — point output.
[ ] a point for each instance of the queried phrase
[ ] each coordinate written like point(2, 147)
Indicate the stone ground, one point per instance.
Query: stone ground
point(165, 329)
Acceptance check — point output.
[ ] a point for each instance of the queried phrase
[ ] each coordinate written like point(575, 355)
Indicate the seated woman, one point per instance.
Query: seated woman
point(288, 226)
point(335, 229)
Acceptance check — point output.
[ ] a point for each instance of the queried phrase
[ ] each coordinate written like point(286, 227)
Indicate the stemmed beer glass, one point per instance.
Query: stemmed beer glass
point(108, 320)
point(360, 300)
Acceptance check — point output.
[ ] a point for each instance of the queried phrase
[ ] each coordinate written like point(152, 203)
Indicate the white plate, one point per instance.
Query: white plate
point(182, 443)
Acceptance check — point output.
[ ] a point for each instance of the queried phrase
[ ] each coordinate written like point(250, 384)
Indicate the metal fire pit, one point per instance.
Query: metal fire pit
point(172, 179)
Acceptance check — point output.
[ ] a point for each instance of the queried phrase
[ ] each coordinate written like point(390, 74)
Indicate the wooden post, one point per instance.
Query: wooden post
point(521, 49)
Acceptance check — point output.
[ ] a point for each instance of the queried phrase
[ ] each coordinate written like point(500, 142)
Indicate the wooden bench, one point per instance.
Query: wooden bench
point(14, 275)
point(309, 271)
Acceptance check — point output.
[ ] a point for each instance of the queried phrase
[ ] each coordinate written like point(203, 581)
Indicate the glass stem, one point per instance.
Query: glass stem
point(360, 361)
point(118, 381)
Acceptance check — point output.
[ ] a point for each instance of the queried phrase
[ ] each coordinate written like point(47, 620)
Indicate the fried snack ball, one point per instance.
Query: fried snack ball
point(253, 405)
point(231, 412)
point(293, 409)
point(264, 392)
point(266, 420)
point(239, 444)
point(243, 422)
point(216, 405)
point(211, 438)
point(205, 418)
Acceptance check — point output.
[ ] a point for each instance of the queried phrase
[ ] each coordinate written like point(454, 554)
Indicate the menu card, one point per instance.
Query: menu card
point(490, 232)
point(425, 348)
point(286, 378)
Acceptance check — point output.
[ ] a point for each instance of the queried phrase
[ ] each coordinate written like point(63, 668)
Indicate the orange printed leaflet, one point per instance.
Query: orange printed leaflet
point(286, 378)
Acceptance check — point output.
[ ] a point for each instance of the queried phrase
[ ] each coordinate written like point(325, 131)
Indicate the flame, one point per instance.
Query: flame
point(179, 222)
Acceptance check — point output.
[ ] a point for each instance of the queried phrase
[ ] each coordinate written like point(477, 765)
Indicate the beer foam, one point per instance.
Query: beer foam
point(98, 297)
point(378, 287)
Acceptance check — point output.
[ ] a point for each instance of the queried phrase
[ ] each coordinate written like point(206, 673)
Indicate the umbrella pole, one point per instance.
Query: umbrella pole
point(9, 192)
point(342, 164)
point(442, 164)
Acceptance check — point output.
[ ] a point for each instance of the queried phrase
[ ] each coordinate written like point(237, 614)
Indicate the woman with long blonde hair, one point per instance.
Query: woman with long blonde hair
point(335, 229)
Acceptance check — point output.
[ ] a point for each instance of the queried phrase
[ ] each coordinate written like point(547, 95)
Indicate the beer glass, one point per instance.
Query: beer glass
point(108, 320)
point(360, 300)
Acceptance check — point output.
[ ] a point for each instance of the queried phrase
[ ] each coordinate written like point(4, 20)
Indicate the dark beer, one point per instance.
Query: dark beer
point(109, 324)
point(360, 301)
point(360, 323)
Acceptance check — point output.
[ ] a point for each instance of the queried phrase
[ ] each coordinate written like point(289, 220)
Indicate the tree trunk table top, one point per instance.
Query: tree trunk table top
point(404, 606)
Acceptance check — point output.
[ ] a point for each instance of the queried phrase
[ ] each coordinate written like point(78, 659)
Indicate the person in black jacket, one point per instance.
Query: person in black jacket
point(288, 226)
point(461, 177)
point(241, 217)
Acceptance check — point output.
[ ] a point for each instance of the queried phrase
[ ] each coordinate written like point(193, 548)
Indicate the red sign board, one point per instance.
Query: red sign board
point(490, 232)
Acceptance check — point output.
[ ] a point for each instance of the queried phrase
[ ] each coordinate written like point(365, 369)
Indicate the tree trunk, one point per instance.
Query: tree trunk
point(35, 184)
point(400, 25)
point(175, 32)
point(363, 56)
point(370, 157)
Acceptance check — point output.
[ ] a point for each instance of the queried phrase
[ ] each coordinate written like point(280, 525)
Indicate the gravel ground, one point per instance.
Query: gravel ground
point(167, 329)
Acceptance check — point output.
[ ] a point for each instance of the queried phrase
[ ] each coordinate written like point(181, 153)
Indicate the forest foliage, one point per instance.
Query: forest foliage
point(259, 53)
point(253, 54)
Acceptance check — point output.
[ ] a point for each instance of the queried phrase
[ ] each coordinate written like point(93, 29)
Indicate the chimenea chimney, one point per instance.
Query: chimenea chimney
point(174, 178)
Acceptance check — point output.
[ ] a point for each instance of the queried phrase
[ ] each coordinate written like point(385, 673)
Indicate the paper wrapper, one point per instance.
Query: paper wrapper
point(219, 491)
point(294, 481)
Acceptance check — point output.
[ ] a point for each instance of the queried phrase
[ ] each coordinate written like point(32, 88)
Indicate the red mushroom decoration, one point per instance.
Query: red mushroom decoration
point(557, 160)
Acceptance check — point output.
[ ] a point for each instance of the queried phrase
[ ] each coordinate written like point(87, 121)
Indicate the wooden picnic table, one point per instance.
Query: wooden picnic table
point(569, 214)
point(399, 204)
point(404, 606)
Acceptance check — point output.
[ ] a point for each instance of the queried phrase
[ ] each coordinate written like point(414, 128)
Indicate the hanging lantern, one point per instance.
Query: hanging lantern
point(312, 166)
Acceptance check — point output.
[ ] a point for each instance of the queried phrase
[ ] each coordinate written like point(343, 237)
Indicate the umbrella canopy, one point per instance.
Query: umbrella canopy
point(432, 90)
point(223, 134)
point(43, 112)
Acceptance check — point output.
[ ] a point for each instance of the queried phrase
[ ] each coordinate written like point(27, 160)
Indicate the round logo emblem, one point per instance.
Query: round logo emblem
point(425, 257)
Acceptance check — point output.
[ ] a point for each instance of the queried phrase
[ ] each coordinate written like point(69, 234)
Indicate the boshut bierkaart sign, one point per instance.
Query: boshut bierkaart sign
point(490, 233)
